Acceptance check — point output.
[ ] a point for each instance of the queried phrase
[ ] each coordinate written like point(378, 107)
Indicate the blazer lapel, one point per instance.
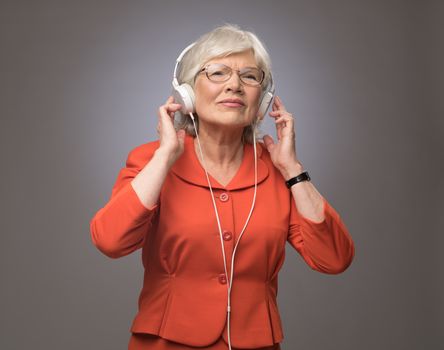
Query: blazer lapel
point(189, 169)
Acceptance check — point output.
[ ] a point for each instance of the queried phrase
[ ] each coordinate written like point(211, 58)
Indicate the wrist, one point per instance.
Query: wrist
point(165, 157)
point(299, 178)
point(292, 171)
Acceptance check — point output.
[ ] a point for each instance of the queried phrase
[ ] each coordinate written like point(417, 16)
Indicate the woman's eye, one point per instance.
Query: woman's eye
point(251, 77)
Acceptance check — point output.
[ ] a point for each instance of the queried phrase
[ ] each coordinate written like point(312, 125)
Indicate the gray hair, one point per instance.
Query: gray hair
point(221, 42)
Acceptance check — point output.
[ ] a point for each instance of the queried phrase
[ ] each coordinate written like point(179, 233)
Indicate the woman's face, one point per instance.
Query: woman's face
point(209, 95)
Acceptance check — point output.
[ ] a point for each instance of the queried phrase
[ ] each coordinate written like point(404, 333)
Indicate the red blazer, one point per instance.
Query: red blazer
point(184, 294)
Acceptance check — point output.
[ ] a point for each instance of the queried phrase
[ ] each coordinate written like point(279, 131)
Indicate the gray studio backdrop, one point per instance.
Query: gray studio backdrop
point(80, 84)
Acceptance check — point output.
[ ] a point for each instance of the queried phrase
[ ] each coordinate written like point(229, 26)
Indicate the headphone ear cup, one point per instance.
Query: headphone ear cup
point(184, 94)
point(265, 103)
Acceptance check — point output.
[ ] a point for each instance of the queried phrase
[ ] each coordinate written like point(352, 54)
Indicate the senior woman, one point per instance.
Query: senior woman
point(212, 208)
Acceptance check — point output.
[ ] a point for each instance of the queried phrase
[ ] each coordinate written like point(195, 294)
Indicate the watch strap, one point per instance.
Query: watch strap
point(301, 177)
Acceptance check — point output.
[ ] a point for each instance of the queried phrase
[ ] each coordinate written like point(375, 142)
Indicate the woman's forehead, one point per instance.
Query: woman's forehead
point(235, 60)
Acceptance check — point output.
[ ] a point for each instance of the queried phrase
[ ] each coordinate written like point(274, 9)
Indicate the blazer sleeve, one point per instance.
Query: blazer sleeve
point(325, 246)
point(120, 227)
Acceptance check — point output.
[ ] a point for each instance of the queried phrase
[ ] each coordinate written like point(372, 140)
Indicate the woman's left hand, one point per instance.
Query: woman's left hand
point(283, 153)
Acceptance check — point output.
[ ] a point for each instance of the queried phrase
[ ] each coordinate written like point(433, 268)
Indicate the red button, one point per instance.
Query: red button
point(227, 235)
point(222, 278)
point(223, 197)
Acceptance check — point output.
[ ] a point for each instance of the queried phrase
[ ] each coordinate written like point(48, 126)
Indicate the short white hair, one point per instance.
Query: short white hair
point(221, 42)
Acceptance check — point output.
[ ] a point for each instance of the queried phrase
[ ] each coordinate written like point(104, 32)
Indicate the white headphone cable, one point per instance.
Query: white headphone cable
point(219, 225)
point(242, 232)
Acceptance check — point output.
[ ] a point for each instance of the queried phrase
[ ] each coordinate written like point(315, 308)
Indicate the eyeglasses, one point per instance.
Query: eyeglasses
point(219, 73)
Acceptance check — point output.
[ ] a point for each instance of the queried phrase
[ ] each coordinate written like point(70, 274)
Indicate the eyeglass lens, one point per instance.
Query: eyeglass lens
point(219, 72)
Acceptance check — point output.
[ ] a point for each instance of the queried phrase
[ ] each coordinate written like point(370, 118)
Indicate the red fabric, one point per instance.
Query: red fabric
point(141, 341)
point(184, 297)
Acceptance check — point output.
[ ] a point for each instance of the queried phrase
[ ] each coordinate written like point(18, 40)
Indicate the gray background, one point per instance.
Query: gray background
point(80, 85)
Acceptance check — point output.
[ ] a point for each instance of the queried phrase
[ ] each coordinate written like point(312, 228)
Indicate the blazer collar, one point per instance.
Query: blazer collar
point(188, 168)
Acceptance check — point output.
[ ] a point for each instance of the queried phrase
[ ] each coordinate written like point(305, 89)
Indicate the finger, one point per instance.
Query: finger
point(275, 113)
point(169, 109)
point(164, 117)
point(173, 106)
point(282, 124)
point(173, 109)
point(279, 127)
point(268, 142)
point(279, 112)
point(286, 122)
point(280, 104)
point(274, 105)
point(170, 102)
point(278, 132)
point(286, 117)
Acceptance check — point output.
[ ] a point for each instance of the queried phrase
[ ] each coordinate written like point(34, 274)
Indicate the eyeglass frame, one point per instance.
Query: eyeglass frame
point(205, 68)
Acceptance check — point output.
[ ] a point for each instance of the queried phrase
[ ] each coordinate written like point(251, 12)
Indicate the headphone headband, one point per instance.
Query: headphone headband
point(180, 59)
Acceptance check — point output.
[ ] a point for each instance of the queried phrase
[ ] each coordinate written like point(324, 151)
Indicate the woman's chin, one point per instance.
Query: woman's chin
point(230, 123)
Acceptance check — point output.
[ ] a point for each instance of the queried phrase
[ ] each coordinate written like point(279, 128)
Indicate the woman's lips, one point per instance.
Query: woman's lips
point(232, 104)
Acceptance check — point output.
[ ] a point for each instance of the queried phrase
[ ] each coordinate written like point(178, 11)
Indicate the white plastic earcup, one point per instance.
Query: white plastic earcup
point(184, 95)
point(265, 103)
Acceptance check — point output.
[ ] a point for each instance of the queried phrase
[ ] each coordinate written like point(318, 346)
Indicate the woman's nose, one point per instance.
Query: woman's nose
point(234, 83)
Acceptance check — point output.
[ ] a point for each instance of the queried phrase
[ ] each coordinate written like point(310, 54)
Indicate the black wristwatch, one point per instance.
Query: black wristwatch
point(301, 177)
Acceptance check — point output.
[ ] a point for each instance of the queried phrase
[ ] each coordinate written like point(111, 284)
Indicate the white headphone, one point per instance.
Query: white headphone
point(184, 93)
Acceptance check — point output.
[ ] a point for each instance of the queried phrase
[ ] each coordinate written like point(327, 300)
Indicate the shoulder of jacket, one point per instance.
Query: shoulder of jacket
point(141, 154)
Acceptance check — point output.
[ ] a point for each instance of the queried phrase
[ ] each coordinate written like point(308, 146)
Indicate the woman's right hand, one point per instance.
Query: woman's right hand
point(171, 141)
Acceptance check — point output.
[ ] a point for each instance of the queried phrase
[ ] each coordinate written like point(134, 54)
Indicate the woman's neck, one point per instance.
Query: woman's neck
point(220, 149)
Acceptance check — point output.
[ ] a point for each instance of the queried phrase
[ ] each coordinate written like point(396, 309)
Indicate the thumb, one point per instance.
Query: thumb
point(269, 142)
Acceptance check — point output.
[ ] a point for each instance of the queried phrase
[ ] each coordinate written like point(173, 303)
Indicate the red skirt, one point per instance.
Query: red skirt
point(145, 341)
